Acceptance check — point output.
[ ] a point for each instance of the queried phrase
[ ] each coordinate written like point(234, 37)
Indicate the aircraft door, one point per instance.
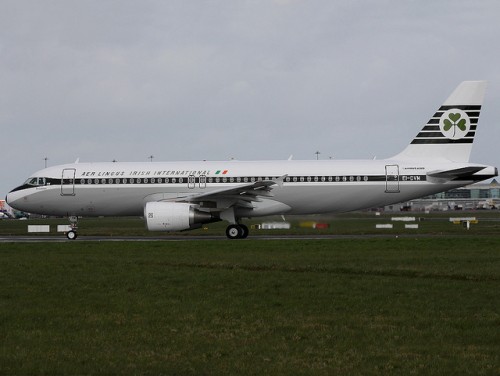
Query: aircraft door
point(392, 179)
point(191, 181)
point(68, 182)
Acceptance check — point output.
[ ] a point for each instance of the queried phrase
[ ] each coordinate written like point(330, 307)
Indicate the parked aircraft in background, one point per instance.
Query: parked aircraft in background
point(176, 196)
point(5, 210)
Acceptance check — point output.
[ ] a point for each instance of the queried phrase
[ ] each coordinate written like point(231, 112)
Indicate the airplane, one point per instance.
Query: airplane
point(178, 196)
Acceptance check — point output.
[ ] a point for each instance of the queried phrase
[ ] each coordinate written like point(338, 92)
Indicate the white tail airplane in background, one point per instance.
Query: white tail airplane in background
point(176, 196)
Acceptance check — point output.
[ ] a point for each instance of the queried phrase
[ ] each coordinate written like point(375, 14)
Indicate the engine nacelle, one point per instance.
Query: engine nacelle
point(174, 216)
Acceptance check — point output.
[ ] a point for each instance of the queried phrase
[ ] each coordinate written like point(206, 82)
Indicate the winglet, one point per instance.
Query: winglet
point(279, 181)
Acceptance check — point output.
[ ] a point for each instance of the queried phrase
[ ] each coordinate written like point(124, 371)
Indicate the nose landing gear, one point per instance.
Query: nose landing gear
point(73, 223)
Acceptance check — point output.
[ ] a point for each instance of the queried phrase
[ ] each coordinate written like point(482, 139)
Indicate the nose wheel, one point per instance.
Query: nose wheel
point(73, 222)
point(237, 231)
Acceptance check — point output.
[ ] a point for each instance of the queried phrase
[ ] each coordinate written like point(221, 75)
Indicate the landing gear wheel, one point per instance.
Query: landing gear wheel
point(234, 232)
point(244, 232)
point(237, 231)
point(73, 225)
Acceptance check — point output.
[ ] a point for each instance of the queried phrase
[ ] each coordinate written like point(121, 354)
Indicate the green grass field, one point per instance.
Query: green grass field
point(341, 224)
point(428, 306)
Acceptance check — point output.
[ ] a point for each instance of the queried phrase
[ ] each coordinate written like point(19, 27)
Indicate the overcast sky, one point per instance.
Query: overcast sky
point(189, 80)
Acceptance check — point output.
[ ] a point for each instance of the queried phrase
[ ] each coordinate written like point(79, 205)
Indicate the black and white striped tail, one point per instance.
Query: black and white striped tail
point(450, 132)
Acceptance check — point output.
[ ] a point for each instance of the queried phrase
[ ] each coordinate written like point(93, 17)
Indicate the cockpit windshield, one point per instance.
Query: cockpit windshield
point(35, 181)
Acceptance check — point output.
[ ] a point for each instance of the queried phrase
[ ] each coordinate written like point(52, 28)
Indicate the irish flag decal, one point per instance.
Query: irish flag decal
point(219, 172)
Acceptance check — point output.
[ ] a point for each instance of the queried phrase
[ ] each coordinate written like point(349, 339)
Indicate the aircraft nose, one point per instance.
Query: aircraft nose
point(8, 198)
point(13, 197)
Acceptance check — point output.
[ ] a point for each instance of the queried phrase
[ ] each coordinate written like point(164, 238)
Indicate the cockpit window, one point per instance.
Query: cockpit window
point(35, 181)
point(31, 181)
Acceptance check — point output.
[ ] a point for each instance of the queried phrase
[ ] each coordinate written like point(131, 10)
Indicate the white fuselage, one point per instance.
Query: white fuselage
point(177, 196)
point(304, 187)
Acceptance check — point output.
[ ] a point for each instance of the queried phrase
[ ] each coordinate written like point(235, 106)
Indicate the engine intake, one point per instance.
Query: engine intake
point(175, 216)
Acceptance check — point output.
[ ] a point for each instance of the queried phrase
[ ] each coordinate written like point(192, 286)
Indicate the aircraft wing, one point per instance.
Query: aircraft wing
point(241, 195)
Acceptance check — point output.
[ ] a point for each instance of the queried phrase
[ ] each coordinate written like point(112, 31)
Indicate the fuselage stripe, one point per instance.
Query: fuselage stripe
point(202, 180)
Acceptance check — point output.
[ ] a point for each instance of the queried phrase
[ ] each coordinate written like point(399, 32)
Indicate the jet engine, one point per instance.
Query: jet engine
point(175, 216)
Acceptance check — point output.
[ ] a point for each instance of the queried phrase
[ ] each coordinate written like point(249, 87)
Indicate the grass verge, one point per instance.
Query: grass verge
point(392, 306)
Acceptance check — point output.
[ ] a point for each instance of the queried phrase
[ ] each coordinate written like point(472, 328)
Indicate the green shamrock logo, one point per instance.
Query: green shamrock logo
point(455, 121)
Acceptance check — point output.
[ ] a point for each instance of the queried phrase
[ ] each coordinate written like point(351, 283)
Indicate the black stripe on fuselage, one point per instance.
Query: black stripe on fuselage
point(250, 179)
point(230, 180)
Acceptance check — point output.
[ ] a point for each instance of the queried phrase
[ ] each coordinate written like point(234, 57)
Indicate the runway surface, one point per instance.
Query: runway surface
point(83, 238)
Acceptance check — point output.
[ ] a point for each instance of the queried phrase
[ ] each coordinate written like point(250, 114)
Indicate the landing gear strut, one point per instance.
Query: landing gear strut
point(73, 223)
point(237, 231)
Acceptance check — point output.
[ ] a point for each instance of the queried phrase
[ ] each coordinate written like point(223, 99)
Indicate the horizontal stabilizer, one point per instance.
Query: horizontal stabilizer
point(464, 173)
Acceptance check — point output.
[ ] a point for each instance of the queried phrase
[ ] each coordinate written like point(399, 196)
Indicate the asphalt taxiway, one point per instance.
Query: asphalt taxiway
point(176, 238)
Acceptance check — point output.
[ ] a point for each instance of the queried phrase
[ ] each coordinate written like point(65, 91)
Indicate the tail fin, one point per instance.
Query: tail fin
point(450, 132)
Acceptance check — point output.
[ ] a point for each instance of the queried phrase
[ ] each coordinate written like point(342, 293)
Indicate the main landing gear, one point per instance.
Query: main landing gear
point(237, 231)
point(73, 223)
